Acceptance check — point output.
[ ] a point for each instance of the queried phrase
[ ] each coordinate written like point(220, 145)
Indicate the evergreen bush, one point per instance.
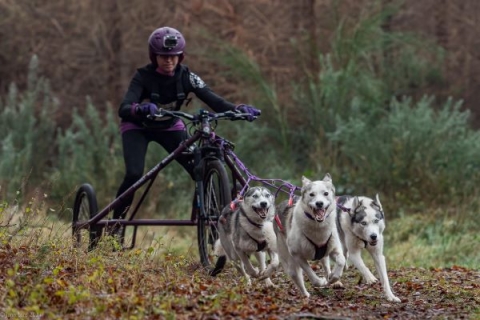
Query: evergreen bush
point(27, 129)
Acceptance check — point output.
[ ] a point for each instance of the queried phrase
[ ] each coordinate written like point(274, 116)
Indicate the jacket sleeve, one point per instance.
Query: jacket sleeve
point(133, 95)
point(210, 98)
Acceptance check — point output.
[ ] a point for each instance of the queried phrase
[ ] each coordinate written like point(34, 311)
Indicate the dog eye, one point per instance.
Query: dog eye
point(364, 223)
point(376, 221)
point(312, 194)
point(325, 194)
point(255, 196)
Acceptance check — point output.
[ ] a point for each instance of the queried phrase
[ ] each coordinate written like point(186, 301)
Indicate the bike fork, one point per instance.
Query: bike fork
point(198, 173)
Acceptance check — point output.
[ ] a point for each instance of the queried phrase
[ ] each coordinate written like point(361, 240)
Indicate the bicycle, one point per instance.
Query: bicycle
point(212, 155)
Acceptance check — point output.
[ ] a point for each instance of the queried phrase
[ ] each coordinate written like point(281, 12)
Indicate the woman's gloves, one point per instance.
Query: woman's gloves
point(245, 108)
point(145, 109)
point(151, 109)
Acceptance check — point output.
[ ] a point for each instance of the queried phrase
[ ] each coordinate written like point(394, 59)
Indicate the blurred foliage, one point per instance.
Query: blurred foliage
point(353, 118)
point(27, 152)
point(89, 151)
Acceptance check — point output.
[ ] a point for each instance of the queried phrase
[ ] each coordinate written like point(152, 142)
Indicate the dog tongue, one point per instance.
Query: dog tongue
point(262, 212)
point(319, 214)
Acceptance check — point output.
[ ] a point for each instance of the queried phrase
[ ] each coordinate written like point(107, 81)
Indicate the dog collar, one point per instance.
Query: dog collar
point(339, 206)
point(258, 225)
point(365, 242)
point(344, 209)
point(309, 216)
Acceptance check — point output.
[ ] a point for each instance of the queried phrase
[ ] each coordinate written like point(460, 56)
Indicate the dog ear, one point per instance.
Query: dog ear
point(305, 181)
point(377, 201)
point(327, 178)
point(355, 204)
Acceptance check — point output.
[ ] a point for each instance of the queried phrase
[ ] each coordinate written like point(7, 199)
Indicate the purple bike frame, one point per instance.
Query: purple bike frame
point(149, 176)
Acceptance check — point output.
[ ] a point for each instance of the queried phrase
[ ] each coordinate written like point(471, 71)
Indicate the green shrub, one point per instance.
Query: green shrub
point(89, 151)
point(413, 152)
point(27, 129)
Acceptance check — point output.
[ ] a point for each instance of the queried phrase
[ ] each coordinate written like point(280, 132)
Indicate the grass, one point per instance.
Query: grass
point(45, 277)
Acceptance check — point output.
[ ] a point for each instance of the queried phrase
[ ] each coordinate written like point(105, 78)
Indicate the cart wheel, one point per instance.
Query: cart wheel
point(84, 208)
point(216, 196)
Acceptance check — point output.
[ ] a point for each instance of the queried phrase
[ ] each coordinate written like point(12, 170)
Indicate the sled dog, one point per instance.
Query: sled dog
point(306, 231)
point(241, 235)
point(361, 221)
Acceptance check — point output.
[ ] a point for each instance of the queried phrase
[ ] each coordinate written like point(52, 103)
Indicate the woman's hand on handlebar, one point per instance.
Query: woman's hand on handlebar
point(203, 114)
point(146, 109)
point(248, 109)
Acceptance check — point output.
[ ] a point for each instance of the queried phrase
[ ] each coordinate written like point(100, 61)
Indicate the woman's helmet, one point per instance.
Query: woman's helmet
point(166, 41)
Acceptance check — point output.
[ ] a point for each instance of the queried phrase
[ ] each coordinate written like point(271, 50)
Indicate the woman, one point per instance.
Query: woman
point(164, 83)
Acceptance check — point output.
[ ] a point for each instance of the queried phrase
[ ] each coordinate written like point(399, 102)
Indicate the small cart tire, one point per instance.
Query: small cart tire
point(84, 208)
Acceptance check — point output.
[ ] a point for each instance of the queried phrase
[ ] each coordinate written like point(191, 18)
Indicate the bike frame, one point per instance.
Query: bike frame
point(238, 170)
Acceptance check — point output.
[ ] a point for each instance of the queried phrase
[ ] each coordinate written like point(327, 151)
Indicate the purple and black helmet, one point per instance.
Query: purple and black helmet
point(166, 41)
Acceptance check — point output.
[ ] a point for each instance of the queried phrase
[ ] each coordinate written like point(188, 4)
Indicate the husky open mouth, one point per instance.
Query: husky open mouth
point(373, 243)
point(320, 214)
point(262, 212)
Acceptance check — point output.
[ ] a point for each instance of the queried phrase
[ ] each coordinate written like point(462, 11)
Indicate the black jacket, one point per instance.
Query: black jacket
point(147, 81)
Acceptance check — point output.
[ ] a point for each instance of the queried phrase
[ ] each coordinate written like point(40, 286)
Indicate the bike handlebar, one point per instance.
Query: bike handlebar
point(203, 114)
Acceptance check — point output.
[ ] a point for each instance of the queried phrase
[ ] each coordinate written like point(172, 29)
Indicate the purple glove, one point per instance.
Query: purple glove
point(245, 108)
point(146, 109)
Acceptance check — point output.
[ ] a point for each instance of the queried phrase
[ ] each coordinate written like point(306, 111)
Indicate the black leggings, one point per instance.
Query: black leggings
point(135, 143)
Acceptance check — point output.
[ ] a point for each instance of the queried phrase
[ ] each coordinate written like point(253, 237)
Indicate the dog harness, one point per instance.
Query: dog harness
point(339, 206)
point(279, 223)
point(319, 250)
point(364, 242)
point(260, 245)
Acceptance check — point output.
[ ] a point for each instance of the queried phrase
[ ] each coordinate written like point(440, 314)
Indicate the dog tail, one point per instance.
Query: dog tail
point(221, 260)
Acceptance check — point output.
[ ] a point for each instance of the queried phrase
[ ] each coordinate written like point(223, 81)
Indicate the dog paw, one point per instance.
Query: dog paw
point(269, 283)
point(370, 280)
point(320, 282)
point(393, 298)
point(333, 278)
point(337, 285)
point(267, 273)
point(264, 275)
point(254, 273)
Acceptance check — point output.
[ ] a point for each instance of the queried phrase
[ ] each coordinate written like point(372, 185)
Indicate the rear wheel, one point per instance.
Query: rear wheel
point(84, 208)
point(216, 195)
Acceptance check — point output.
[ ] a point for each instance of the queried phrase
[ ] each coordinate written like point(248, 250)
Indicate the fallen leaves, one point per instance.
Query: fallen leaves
point(112, 285)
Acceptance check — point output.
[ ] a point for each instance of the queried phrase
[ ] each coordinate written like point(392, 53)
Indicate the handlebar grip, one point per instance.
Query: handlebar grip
point(230, 115)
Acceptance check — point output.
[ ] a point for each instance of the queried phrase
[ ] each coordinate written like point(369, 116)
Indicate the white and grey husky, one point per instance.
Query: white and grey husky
point(307, 231)
point(361, 222)
point(241, 235)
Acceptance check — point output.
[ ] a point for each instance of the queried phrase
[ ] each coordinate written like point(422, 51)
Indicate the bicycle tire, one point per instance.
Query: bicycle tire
point(216, 196)
point(84, 208)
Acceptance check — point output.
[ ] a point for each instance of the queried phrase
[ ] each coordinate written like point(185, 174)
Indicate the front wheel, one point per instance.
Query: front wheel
point(84, 208)
point(216, 195)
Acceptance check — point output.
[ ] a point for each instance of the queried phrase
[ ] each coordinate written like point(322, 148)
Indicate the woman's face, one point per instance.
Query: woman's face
point(167, 64)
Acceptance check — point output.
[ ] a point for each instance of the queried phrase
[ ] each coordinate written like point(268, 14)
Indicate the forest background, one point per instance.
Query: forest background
point(380, 94)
